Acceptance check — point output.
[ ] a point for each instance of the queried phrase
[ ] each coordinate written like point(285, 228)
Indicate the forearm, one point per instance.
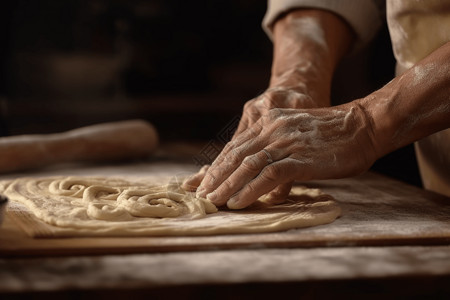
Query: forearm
point(413, 105)
point(308, 44)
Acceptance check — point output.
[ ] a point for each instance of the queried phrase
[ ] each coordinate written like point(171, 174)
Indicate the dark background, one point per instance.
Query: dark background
point(186, 66)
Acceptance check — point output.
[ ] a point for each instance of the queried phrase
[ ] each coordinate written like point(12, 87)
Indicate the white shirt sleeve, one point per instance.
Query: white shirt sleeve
point(363, 16)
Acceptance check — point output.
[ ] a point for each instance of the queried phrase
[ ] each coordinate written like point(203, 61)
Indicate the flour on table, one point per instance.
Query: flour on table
point(95, 206)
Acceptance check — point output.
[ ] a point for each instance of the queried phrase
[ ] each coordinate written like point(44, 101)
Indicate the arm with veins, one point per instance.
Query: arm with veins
point(332, 142)
point(308, 44)
point(413, 105)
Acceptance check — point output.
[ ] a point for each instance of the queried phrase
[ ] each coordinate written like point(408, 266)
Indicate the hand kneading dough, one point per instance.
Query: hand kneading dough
point(85, 206)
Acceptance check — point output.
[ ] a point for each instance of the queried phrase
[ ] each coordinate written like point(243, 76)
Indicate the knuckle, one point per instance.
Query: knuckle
point(249, 104)
point(273, 117)
point(228, 184)
point(269, 100)
point(233, 157)
point(209, 180)
point(250, 189)
point(271, 173)
point(229, 146)
point(251, 163)
point(252, 115)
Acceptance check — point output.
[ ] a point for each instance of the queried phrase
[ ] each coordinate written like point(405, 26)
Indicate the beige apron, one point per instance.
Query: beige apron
point(417, 28)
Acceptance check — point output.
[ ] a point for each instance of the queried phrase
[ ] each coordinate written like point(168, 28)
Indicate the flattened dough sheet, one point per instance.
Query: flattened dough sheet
point(104, 206)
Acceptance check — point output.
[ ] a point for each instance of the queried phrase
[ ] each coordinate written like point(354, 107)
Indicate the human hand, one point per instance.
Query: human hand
point(192, 182)
point(303, 145)
point(276, 97)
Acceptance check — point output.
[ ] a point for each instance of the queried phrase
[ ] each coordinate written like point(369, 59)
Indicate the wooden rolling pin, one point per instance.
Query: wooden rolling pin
point(102, 142)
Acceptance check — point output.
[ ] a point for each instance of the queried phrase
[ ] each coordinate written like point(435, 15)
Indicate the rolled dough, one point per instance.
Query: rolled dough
point(94, 206)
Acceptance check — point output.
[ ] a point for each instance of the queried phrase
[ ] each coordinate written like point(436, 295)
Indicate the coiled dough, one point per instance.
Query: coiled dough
point(94, 206)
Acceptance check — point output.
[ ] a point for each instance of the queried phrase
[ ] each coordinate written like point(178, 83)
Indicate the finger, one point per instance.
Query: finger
point(228, 160)
point(193, 181)
point(219, 172)
point(249, 134)
point(251, 112)
point(253, 119)
point(271, 176)
point(243, 125)
point(251, 166)
point(245, 118)
point(250, 137)
point(279, 194)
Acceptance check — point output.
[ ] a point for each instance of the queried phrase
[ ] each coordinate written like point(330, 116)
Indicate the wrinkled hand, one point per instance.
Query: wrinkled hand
point(303, 144)
point(276, 97)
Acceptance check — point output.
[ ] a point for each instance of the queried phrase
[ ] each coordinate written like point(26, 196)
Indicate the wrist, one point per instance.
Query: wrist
point(295, 83)
point(413, 105)
point(379, 124)
point(308, 44)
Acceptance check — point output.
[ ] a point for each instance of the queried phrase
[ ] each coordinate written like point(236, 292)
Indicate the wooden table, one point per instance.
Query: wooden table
point(392, 239)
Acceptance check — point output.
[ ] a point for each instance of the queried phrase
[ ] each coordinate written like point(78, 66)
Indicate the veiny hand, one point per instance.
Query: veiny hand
point(303, 145)
point(277, 97)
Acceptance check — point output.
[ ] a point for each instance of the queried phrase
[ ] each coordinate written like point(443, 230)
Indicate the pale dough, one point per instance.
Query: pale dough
point(88, 206)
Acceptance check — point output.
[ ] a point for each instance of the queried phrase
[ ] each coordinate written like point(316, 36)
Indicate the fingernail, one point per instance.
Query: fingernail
point(233, 203)
point(187, 187)
point(185, 184)
point(200, 193)
point(212, 196)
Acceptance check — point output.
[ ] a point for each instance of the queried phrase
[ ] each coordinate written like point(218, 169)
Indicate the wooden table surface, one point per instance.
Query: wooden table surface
point(389, 236)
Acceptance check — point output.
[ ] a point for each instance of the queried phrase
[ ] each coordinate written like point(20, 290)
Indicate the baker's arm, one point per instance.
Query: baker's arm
point(309, 38)
point(413, 105)
point(307, 46)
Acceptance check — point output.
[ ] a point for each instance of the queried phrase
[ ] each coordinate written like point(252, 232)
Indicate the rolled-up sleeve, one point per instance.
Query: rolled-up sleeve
point(363, 16)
